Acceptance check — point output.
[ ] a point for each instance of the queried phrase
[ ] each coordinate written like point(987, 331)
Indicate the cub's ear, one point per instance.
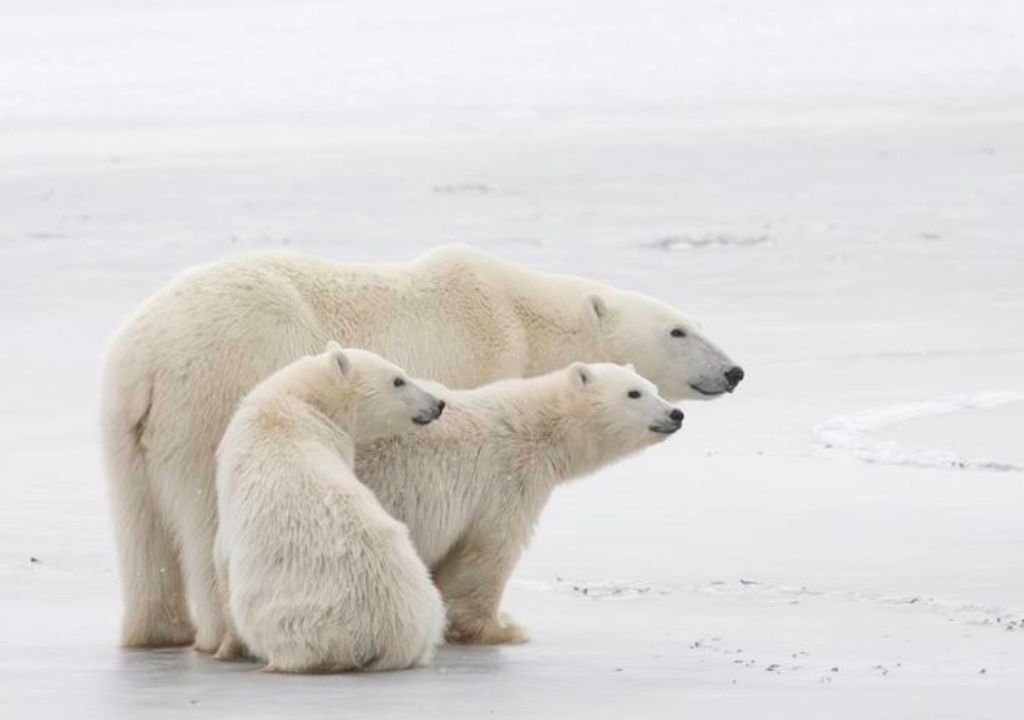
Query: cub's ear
point(579, 374)
point(595, 311)
point(630, 366)
point(332, 345)
point(339, 361)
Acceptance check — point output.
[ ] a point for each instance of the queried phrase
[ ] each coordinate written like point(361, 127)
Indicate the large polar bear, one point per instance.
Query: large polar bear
point(315, 575)
point(471, 487)
point(176, 370)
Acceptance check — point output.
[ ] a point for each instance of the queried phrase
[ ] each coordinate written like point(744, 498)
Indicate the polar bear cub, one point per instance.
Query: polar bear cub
point(471, 488)
point(314, 575)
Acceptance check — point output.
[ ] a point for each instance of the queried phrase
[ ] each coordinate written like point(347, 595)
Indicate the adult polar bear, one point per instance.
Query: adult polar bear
point(176, 370)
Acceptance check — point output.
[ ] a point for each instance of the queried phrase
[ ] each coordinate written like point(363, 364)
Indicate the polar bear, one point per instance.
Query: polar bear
point(313, 573)
point(471, 487)
point(176, 370)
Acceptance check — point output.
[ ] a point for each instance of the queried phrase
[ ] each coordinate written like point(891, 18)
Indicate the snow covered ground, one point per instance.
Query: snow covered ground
point(833, 187)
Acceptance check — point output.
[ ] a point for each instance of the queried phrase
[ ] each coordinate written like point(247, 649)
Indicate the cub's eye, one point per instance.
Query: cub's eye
point(399, 382)
point(678, 332)
point(634, 394)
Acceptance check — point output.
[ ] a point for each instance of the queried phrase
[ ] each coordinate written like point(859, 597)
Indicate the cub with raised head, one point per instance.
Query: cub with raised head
point(313, 574)
point(471, 488)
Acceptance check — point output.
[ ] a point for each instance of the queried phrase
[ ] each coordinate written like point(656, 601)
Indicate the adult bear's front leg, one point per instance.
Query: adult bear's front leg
point(472, 579)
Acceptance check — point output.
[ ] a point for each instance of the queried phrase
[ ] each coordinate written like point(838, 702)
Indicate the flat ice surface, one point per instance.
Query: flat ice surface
point(834, 188)
point(995, 432)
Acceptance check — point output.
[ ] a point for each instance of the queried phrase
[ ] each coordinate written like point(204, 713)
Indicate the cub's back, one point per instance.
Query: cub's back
point(435, 479)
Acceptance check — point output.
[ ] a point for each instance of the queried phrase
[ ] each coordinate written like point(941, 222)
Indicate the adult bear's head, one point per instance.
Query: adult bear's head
point(665, 346)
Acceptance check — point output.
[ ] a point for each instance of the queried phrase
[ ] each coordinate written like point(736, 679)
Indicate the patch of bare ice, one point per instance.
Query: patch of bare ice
point(982, 614)
point(468, 188)
point(974, 613)
point(598, 590)
point(855, 433)
point(708, 240)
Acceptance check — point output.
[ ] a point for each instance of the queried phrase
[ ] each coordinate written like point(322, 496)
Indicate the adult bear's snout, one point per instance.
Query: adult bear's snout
point(733, 376)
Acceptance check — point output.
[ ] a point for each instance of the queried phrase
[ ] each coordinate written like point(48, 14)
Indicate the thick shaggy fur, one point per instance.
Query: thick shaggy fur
point(471, 487)
point(177, 369)
point(314, 574)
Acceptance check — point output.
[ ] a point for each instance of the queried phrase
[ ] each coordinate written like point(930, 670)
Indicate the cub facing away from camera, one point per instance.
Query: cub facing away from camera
point(313, 574)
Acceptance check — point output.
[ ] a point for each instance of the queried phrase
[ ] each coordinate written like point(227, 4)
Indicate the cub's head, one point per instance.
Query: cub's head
point(622, 410)
point(664, 344)
point(386, 401)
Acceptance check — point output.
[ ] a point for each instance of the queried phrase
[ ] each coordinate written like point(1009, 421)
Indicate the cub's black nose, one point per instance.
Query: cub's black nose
point(440, 406)
point(676, 415)
point(734, 375)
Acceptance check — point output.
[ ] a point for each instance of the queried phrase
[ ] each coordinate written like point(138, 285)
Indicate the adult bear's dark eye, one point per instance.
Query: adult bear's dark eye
point(634, 394)
point(399, 382)
point(678, 332)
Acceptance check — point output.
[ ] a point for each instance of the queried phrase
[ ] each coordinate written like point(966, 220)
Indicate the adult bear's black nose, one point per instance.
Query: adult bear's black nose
point(440, 406)
point(734, 375)
point(676, 415)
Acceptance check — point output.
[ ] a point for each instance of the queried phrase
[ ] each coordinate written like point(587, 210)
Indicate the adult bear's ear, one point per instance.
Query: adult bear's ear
point(630, 366)
point(339, 360)
point(595, 311)
point(579, 374)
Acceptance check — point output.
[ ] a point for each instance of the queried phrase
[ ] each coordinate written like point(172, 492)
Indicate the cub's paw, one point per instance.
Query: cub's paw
point(231, 648)
point(208, 642)
point(500, 630)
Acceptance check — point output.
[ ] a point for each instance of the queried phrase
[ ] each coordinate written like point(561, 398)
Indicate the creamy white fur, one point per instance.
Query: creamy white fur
point(176, 370)
point(315, 576)
point(471, 486)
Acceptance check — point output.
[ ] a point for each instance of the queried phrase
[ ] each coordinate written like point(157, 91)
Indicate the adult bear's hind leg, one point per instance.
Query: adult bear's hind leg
point(155, 607)
point(198, 532)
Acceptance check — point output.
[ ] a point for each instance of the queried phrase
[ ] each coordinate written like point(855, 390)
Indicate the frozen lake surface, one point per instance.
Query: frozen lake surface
point(994, 435)
point(833, 188)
